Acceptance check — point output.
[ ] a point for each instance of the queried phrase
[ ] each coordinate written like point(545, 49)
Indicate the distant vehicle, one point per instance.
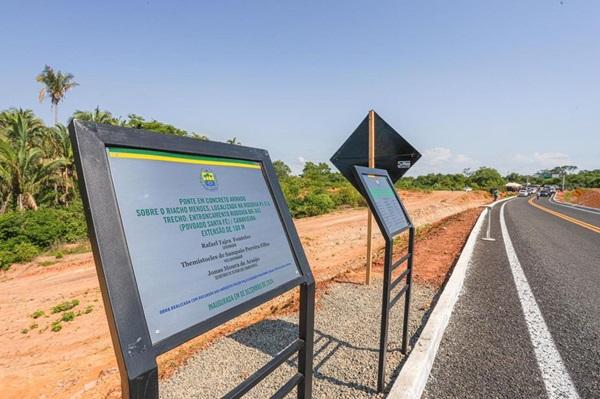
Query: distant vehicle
point(531, 190)
point(523, 193)
point(467, 189)
point(545, 192)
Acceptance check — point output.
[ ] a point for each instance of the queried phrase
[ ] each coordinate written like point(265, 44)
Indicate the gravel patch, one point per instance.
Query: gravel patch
point(346, 351)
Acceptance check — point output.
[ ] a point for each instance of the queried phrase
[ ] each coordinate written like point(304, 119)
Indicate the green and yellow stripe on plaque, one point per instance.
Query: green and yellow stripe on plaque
point(163, 156)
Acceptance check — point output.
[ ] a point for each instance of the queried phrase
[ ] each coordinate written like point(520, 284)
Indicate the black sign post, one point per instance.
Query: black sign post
point(187, 235)
point(392, 219)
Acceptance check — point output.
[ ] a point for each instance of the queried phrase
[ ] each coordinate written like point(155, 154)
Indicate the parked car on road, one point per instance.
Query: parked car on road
point(523, 193)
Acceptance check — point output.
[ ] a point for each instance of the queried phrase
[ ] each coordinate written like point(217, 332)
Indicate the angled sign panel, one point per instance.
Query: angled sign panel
point(392, 152)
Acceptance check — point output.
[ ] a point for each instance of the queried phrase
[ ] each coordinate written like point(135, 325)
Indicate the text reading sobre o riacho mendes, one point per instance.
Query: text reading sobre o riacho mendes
point(197, 226)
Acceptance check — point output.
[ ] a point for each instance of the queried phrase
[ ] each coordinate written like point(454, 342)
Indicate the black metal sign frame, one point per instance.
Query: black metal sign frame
point(136, 355)
point(389, 267)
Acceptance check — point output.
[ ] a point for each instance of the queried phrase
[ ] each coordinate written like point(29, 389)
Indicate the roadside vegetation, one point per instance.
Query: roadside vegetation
point(40, 206)
point(65, 311)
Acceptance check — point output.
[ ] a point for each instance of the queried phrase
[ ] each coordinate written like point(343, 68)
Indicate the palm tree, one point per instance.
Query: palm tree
point(56, 85)
point(97, 115)
point(58, 146)
point(24, 167)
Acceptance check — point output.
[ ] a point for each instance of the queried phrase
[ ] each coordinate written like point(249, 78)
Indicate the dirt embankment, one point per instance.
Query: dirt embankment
point(79, 361)
point(586, 197)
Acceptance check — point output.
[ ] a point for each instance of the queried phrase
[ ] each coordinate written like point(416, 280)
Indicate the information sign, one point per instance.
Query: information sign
point(385, 201)
point(392, 219)
point(203, 234)
point(186, 235)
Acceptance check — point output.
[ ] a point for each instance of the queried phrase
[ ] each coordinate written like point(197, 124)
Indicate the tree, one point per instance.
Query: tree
point(485, 177)
point(97, 116)
point(56, 85)
point(320, 171)
point(138, 122)
point(23, 165)
point(58, 146)
point(281, 170)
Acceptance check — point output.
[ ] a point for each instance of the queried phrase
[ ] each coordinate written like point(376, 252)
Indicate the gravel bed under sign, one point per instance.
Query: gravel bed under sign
point(346, 349)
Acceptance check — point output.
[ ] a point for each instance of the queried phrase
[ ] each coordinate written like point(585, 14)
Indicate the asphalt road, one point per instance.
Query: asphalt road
point(527, 324)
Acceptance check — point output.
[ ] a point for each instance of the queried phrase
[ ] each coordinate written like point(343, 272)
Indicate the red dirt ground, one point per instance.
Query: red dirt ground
point(586, 197)
point(79, 361)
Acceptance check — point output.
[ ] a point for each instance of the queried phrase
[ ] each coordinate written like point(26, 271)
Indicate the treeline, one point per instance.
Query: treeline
point(317, 190)
point(40, 204)
point(487, 178)
point(572, 177)
point(483, 178)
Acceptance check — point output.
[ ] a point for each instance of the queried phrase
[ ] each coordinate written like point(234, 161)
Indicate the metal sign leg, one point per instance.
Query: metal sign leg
point(385, 313)
point(306, 334)
point(144, 386)
point(411, 248)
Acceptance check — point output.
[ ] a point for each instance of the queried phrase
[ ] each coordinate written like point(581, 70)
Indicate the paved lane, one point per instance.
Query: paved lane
point(590, 216)
point(487, 350)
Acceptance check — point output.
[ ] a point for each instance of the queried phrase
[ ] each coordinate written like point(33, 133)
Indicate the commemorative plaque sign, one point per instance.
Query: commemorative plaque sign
point(187, 235)
point(392, 219)
point(386, 202)
point(203, 234)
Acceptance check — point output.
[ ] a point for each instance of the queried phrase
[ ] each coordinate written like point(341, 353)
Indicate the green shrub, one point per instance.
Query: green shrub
point(62, 307)
point(315, 204)
point(23, 235)
point(347, 195)
point(56, 326)
point(38, 313)
point(68, 316)
point(24, 252)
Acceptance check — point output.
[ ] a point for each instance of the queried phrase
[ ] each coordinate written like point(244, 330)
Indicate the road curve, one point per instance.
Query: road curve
point(491, 347)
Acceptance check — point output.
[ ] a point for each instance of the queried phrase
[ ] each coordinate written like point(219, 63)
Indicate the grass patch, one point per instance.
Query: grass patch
point(47, 263)
point(88, 309)
point(38, 313)
point(62, 307)
point(56, 326)
point(61, 251)
point(68, 316)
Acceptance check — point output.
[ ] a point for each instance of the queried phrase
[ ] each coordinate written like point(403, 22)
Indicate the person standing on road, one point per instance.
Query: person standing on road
point(495, 194)
point(537, 194)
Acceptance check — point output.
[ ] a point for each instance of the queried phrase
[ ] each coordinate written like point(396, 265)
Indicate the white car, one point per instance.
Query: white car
point(523, 193)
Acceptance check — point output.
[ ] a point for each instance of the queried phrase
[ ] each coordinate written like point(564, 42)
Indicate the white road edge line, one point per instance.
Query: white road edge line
point(413, 376)
point(579, 207)
point(554, 373)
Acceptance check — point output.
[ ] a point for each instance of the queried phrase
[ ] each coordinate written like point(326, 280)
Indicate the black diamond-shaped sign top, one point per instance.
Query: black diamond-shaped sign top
point(392, 152)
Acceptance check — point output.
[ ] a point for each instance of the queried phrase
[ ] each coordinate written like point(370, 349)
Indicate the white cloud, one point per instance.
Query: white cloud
point(442, 160)
point(437, 155)
point(537, 161)
point(551, 159)
point(463, 159)
point(297, 164)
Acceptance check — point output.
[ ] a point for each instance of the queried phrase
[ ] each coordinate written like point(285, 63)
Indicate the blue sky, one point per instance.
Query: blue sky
point(509, 84)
